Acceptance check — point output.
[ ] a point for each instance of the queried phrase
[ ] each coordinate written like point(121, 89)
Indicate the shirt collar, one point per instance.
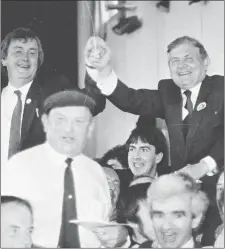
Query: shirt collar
point(56, 157)
point(24, 89)
point(194, 90)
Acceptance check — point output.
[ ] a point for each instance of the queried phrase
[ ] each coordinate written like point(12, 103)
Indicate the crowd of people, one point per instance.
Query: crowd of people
point(145, 193)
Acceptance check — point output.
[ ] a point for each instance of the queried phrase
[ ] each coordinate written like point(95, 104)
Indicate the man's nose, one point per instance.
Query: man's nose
point(25, 56)
point(182, 64)
point(167, 223)
point(137, 154)
point(69, 126)
point(26, 240)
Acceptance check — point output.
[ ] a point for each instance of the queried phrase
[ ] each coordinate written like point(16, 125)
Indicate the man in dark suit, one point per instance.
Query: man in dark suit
point(192, 104)
point(21, 100)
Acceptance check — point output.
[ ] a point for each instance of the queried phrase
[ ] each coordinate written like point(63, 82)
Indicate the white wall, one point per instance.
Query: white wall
point(139, 59)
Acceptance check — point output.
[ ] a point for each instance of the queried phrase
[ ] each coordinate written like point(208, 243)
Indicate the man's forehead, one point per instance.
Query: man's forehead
point(172, 204)
point(184, 49)
point(23, 42)
point(13, 206)
point(73, 111)
point(111, 174)
point(141, 143)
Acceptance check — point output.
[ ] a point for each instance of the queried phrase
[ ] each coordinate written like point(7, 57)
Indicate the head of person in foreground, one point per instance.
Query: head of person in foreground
point(16, 222)
point(177, 206)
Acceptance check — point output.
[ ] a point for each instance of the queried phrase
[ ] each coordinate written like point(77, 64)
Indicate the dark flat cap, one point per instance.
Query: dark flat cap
point(71, 97)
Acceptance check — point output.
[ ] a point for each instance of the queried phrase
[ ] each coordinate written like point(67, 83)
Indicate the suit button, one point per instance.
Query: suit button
point(70, 196)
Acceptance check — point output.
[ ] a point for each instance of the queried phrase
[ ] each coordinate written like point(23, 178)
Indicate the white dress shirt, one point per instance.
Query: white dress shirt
point(37, 174)
point(8, 103)
point(108, 84)
point(194, 96)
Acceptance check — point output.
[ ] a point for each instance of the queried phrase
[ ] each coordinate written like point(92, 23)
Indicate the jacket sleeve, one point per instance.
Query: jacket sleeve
point(139, 102)
point(92, 90)
point(217, 151)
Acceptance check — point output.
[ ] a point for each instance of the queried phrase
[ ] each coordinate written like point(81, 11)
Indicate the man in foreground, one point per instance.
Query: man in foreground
point(177, 207)
point(61, 183)
point(16, 223)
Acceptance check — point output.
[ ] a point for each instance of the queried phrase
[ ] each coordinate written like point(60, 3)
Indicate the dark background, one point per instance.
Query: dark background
point(55, 22)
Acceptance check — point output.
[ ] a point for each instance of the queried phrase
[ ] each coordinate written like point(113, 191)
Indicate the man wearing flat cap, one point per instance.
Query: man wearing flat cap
point(61, 183)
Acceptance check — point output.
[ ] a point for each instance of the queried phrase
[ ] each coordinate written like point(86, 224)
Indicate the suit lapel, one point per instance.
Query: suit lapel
point(30, 108)
point(197, 115)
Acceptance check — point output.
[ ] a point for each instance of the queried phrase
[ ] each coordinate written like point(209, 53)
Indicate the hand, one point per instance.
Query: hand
point(112, 236)
point(196, 171)
point(97, 55)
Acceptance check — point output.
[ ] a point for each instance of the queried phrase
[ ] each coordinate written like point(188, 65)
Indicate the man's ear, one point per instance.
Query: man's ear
point(3, 62)
point(196, 221)
point(206, 62)
point(44, 119)
point(91, 128)
point(159, 157)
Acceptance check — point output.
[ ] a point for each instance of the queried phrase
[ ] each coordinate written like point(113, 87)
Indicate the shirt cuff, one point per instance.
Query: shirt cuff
point(107, 85)
point(211, 164)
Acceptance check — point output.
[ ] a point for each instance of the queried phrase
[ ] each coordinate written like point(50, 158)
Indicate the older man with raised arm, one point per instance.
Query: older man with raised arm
point(191, 102)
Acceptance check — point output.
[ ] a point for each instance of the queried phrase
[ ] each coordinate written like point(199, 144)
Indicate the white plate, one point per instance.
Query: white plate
point(92, 225)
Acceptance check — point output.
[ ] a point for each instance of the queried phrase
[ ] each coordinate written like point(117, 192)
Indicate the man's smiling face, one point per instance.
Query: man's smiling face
point(22, 60)
point(142, 158)
point(187, 67)
point(172, 221)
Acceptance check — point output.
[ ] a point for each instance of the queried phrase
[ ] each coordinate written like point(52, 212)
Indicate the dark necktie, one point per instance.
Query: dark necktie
point(189, 107)
point(69, 237)
point(14, 136)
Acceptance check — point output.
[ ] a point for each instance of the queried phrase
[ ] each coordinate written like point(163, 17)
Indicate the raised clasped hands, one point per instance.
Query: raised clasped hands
point(97, 56)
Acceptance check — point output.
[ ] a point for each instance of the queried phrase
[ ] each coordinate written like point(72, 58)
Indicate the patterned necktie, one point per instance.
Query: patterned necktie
point(14, 137)
point(189, 107)
point(69, 237)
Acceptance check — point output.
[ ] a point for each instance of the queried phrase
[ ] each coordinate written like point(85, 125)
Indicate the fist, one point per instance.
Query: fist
point(97, 54)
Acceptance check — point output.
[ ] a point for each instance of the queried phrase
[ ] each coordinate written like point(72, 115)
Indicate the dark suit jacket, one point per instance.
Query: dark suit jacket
point(205, 137)
point(32, 132)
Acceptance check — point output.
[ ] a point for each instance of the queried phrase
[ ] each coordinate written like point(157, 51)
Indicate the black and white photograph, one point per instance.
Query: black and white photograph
point(112, 124)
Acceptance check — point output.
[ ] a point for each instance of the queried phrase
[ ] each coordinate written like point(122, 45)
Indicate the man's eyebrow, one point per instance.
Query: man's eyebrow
point(179, 212)
point(33, 49)
point(14, 226)
point(145, 147)
point(157, 212)
point(16, 46)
